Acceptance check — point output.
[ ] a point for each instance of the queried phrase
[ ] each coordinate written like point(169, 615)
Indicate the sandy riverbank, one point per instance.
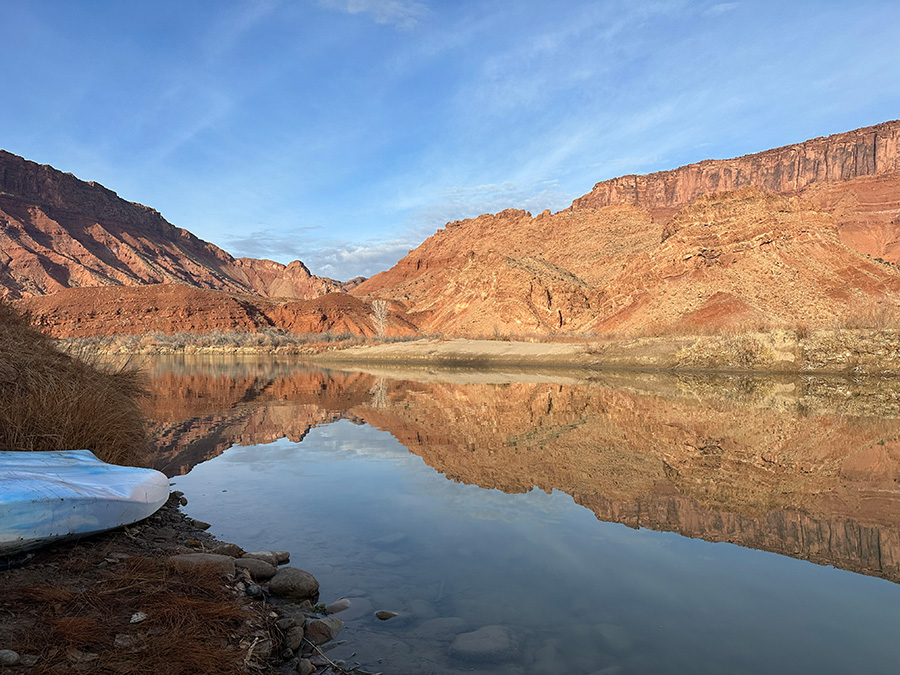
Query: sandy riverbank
point(846, 351)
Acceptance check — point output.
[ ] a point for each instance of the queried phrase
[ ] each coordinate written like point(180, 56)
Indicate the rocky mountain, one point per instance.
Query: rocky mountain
point(805, 234)
point(58, 232)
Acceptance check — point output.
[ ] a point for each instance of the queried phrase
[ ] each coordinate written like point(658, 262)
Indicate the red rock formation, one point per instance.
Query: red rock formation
point(863, 152)
point(174, 308)
point(59, 232)
point(738, 258)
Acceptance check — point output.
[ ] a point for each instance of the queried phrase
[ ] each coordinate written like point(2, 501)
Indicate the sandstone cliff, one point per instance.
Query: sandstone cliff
point(741, 258)
point(863, 152)
point(58, 232)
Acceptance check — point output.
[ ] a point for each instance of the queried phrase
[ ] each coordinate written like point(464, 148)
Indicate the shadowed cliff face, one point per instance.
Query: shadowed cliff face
point(802, 467)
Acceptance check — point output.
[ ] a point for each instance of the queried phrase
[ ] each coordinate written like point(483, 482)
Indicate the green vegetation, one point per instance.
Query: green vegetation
point(50, 400)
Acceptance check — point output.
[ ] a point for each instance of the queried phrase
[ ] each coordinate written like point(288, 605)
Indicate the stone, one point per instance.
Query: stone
point(231, 550)
point(443, 628)
point(188, 561)
point(304, 667)
point(422, 609)
point(490, 644)
point(264, 648)
point(294, 584)
point(9, 658)
point(254, 591)
point(138, 617)
point(125, 641)
point(384, 615)
point(285, 623)
point(386, 558)
point(615, 637)
point(340, 605)
point(320, 631)
point(283, 557)
point(259, 570)
point(270, 557)
point(293, 638)
point(200, 524)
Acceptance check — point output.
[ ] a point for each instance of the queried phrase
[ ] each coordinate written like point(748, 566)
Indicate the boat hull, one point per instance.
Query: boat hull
point(49, 496)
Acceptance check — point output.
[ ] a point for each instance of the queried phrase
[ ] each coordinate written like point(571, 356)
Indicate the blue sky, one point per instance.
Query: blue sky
point(344, 132)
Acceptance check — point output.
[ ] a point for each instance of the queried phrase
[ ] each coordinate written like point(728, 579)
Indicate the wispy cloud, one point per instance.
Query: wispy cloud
point(403, 14)
point(721, 8)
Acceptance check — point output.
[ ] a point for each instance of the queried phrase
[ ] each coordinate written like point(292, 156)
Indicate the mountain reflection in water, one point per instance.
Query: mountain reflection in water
point(804, 467)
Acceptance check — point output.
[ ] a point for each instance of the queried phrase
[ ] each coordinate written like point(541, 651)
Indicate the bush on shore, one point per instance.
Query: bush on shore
point(50, 400)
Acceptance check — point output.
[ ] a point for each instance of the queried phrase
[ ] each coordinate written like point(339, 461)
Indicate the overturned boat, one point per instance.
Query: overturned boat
point(49, 496)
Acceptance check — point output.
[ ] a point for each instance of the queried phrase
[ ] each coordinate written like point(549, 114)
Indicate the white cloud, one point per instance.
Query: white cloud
point(345, 261)
point(721, 8)
point(403, 14)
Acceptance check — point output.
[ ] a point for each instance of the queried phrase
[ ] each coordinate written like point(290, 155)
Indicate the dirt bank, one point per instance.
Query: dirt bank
point(841, 351)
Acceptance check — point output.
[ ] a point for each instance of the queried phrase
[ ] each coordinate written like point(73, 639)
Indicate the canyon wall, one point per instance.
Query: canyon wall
point(59, 232)
point(862, 152)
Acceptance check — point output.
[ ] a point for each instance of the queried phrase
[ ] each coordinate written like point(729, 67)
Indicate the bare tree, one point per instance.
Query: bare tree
point(380, 310)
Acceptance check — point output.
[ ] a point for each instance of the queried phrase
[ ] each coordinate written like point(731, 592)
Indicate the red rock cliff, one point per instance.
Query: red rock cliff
point(862, 152)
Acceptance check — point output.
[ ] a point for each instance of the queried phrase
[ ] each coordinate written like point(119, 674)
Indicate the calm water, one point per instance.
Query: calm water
point(588, 516)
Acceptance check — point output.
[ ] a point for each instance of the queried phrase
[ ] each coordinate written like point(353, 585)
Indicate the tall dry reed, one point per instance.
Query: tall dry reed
point(50, 400)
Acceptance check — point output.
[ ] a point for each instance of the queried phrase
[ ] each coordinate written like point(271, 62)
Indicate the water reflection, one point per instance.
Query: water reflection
point(804, 467)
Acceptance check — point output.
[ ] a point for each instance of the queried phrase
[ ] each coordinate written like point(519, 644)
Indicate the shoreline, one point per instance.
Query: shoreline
point(845, 351)
point(150, 579)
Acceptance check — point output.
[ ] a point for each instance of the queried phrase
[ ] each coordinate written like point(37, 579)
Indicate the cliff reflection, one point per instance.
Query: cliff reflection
point(803, 467)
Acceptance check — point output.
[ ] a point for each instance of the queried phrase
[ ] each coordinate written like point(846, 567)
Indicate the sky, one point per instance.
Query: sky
point(344, 132)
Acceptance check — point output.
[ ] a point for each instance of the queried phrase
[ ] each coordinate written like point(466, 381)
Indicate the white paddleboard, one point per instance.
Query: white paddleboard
point(48, 496)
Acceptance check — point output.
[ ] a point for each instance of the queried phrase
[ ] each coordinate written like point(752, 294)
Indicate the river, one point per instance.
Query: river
point(605, 522)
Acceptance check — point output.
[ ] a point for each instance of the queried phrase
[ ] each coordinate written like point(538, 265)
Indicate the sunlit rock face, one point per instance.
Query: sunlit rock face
point(842, 157)
point(58, 232)
point(802, 467)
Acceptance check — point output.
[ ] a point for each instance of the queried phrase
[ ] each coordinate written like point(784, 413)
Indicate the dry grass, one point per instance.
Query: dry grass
point(191, 626)
point(50, 400)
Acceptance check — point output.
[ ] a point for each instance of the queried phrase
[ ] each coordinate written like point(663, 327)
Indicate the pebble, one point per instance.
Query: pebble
point(615, 637)
point(443, 628)
point(384, 615)
point(324, 630)
point(270, 557)
point(338, 606)
point(259, 570)
point(304, 667)
point(137, 617)
point(125, 641)
point(199, 524)
point(385, 558)
point(285, 623)
point(293, 638)
point(9, 658)
point(294, 584)
point(232, 550)
point(492, 644)
point(254, 591)
point(263, 649)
